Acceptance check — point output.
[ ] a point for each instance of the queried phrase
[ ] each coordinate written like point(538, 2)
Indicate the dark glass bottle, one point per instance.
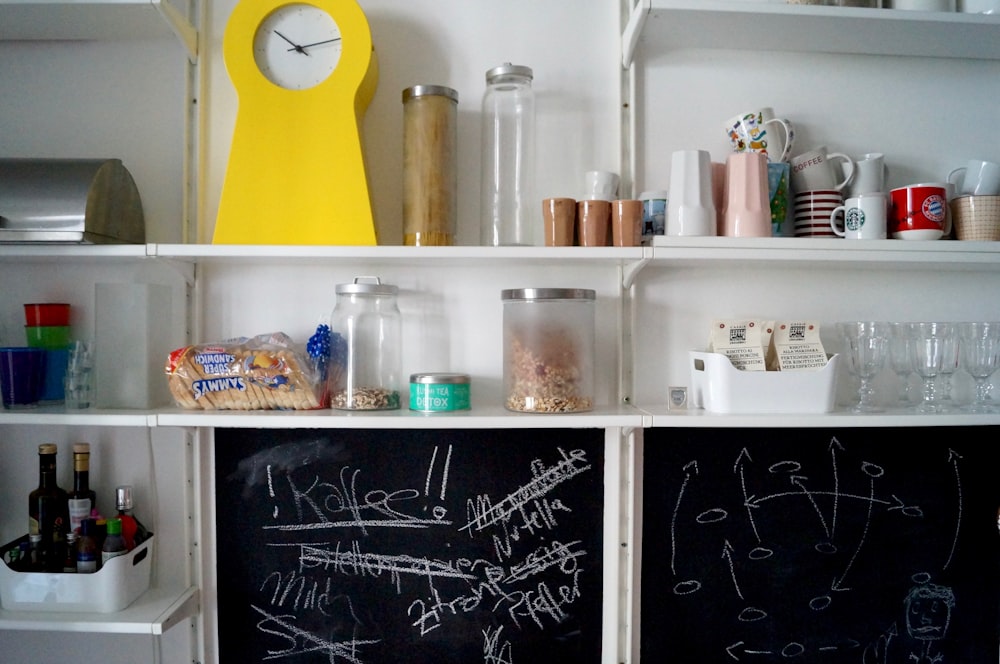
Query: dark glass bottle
point(81, 498)
point(69, 563)
point(132, 529)
point(48, 514)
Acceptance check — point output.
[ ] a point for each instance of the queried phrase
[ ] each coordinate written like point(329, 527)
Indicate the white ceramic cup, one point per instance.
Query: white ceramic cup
point(976, 178)
point(690, 208)
point(600, 185)
point(870, 175)
point(816, 169)
point(925, 5)
point(761, 131)
point(864, 217)
point(979, 6)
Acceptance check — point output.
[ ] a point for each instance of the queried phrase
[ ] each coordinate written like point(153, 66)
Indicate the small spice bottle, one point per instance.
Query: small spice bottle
point(548, 349)
point(366, 376)
point(430, 172)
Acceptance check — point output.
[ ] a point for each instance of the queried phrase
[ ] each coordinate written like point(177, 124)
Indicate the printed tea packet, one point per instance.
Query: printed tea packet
point(796, 346)
point(742, 341)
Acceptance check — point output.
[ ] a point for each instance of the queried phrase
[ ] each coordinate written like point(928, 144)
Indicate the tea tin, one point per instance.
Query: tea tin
point(439, 392)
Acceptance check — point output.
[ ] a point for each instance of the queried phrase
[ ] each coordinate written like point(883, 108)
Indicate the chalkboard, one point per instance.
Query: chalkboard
point(417, 546)
point(870, 546)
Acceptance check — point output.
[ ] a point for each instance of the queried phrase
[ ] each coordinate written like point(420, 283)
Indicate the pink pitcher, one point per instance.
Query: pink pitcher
point(748, 206)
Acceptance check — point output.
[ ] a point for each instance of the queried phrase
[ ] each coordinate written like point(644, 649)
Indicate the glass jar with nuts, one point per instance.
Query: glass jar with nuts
point(367, 316)
point(548, 349)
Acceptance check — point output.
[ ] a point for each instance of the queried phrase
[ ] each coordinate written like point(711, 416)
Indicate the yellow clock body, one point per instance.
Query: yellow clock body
point(304, 73)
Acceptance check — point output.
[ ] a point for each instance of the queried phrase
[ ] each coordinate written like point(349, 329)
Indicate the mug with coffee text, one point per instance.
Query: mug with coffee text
point(817, 169)
point(918, 212)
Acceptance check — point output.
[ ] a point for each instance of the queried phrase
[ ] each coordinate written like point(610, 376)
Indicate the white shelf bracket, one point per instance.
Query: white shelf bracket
point(183, 28)
point(632, 270)
point(633, 30)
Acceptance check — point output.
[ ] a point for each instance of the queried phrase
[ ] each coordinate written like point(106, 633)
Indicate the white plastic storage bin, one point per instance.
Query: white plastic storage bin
point(117, 584)
point(719, 387)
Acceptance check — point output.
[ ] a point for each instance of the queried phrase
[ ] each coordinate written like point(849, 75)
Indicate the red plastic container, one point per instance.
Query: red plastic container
point(46, 314)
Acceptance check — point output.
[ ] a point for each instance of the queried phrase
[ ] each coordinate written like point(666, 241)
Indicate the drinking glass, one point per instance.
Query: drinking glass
point(932, 345)
point(900, 360)
point(865, 346)
point(980, 356)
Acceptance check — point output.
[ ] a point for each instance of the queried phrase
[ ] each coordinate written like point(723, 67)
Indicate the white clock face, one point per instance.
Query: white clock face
point(297, 46)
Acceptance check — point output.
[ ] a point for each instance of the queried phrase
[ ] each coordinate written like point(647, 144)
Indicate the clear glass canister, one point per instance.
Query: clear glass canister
point(508, 144)
point(364, 374)
point(430, 165)
point(548, 349)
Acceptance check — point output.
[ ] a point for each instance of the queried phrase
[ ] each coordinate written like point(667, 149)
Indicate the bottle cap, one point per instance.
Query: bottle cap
point(123, 497)
point(114, 526)
point(81, 448)
point(35, 537)
point(47, 448)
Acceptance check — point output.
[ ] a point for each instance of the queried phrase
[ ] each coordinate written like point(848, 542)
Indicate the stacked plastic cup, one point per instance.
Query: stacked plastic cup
point(47, 327)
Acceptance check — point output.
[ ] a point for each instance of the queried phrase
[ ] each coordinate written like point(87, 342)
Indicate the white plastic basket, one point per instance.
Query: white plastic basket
point(117, 584)
point(719, 387)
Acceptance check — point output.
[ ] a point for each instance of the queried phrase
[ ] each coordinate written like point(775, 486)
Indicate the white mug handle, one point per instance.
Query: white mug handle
point(786, 127)
point(953, 173)
point(848, 165)
point(836, 212)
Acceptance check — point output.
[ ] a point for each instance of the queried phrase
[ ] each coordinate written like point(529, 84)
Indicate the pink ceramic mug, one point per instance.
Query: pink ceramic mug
point(918, 212)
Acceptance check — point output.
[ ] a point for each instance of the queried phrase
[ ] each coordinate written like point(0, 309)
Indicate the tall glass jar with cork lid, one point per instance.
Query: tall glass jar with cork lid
point(366, 350)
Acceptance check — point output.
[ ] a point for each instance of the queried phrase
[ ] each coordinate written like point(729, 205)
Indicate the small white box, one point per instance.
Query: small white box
point(117, 584)
point(131, 343)
point(719, 387)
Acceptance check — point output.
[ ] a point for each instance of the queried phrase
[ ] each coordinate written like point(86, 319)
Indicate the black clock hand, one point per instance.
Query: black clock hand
point(295, 47)
point(327, 41)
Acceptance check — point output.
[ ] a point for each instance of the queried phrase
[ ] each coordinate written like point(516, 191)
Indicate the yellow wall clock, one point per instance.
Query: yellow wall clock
point(304, 73)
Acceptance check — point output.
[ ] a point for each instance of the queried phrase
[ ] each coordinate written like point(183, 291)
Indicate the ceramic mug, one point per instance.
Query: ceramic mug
point(690, 209)
point(870, 175)
point(864, 217)
point(747, 206)
point(816, 170)
point(976, 178)
point(812, 212)
point(760, 131)
point(919, 212)
point(600, 185)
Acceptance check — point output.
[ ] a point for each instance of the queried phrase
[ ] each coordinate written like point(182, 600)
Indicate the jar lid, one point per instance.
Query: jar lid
point(547, 294)
point(439, 378)
point(507, 69)
point(429, 90)
point(360, 287)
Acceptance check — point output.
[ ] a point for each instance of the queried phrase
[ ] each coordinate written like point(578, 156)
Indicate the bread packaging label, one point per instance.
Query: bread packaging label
point(796, 346)
point(741, 341)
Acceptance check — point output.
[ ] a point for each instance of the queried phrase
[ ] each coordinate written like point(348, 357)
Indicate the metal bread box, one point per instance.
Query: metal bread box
point(93, 201)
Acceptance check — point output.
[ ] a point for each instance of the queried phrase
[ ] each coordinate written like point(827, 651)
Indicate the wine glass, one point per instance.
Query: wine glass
point(866, 343)
point(980, 355)
point(948, 369)
point(900, 359)
point(931, 346)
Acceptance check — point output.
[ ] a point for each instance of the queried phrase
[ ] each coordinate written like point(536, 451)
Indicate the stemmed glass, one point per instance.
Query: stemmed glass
point(980, 353)
point(865, 346)
point(932, 348)
point(900, 359)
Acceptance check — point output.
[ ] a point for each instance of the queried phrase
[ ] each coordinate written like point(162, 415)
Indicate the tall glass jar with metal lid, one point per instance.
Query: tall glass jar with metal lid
point(366, 346)
point(548, 349)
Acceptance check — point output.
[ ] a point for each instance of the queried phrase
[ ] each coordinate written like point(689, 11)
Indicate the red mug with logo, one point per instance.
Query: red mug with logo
point(918, 212)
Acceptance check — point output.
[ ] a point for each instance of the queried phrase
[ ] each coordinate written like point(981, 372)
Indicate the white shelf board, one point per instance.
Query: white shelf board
point(454, 255)
point(487, 417)
point(105, 20)
point(661, 416)
point(777, 251)
point(57, 414)
point(154, 612)
point(717, 24)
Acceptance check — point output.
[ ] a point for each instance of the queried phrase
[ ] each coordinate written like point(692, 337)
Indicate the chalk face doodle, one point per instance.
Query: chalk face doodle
point(821, 546)
point(371, 547)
